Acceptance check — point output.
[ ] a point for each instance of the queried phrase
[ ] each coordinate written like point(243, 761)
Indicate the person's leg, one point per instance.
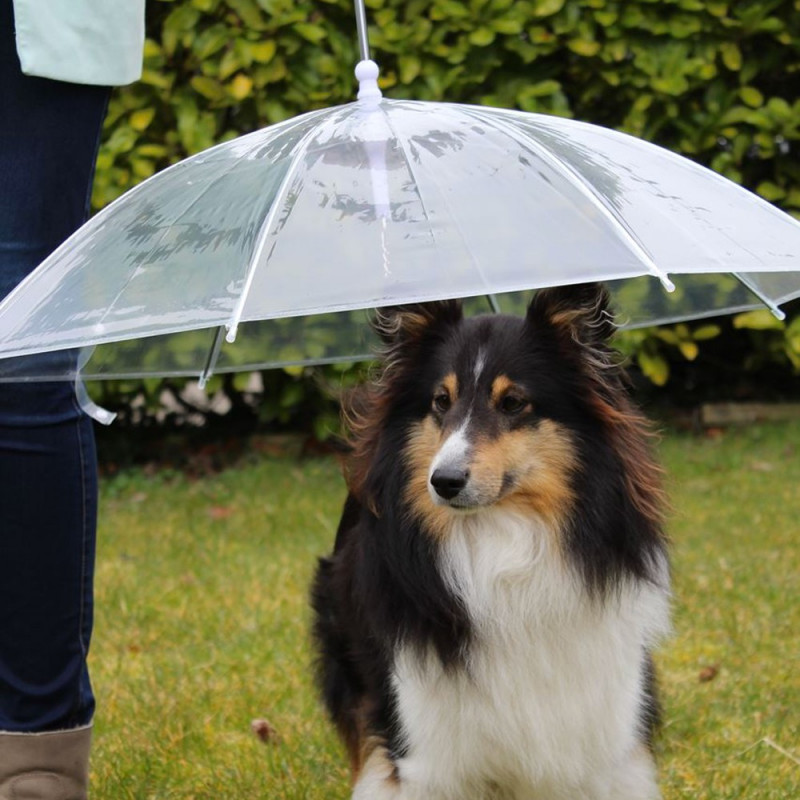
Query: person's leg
point(48, 500)
point(48, 487)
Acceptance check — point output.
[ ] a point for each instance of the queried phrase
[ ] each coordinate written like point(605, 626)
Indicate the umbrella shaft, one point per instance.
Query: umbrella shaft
point(361, 27)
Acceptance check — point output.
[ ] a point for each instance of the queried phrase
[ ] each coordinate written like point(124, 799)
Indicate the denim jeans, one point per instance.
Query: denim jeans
point(49, 133)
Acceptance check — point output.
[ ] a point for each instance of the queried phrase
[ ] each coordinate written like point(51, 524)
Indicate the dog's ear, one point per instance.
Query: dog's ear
point(403, 325)
point(579, 314)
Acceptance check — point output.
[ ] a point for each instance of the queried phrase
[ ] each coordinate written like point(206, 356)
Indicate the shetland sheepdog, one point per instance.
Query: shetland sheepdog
point(500, 577)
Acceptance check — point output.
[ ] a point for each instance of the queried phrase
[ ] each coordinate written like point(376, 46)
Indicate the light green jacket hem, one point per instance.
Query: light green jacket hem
point(81, 41)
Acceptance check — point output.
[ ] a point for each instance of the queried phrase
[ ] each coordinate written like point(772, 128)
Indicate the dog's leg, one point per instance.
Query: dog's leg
point(378, 778)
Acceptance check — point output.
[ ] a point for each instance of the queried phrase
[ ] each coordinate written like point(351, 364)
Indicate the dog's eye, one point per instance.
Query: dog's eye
point(512, 404)
point(442, 402)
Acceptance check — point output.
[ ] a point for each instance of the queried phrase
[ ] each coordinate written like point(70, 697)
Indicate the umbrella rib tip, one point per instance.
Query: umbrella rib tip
point(778, 313)
point(230, 336)
point(666, 282)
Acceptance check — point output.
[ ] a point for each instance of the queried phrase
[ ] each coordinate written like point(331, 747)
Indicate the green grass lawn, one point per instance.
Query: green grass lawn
point(202, 627)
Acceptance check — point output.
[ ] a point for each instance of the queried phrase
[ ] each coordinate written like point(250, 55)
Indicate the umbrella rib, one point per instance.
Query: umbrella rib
point(213, 357)
point(768, 302)
point(261, 242)
point(585, 188)
point(402, 146)
point(492, 299)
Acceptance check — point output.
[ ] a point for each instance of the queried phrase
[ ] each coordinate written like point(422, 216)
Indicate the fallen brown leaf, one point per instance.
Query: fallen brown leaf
point(708, 673)
point(264, 731)
point(220, 512)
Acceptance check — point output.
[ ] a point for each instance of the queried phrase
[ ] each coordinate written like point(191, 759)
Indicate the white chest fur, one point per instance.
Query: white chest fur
point(548, 704)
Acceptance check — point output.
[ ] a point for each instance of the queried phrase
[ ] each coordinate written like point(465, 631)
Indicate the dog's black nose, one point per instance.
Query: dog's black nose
point(449, 482)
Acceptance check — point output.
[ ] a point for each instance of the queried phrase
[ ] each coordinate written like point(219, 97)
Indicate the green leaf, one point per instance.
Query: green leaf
point(508, 27)
point(273, 72)
point(211, 41)
point(731, 56)
point(546, 8)
point(181, 19)
point(410, 67)
point(751, 96)
point(312, 33)
point(229, 63)
point(122, 139)
point(759, 320)
point(482, 37)
point(706, 332)
point(152, 49)
point(771, 191)
point(668, 335)
point(263, 52)
point(541, 89)
point(153, 78)
point(140, 119)
point(584, 47)
point(142, 167)
point(248, 12)
point(240, 87)
point(208, 87)
point(688, 349)
point(654, 366)
point(448, 9)
point(152, 150)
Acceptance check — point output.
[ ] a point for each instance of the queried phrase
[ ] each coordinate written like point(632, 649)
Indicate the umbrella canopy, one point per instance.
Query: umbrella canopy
point(266, 250)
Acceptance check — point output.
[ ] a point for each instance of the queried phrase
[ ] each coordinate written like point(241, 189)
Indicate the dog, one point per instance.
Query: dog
point(500, 576)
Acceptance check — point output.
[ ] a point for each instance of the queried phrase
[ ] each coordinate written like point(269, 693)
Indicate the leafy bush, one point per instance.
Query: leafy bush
point(750, 355)
point(715, 80)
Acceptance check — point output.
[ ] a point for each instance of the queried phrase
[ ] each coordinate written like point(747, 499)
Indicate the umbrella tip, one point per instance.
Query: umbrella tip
point(777, 313)
point(367, 76)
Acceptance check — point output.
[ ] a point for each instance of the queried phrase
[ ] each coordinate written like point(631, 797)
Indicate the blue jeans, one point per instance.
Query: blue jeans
point(49, 134)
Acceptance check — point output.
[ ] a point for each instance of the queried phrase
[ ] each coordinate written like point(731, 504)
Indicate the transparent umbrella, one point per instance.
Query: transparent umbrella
point(268, 250)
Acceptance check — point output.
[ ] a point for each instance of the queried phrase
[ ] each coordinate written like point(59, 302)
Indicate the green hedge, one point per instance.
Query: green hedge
point(717, 81)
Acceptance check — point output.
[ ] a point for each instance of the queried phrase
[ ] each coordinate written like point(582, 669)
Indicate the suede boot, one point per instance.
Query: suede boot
point(45, 766)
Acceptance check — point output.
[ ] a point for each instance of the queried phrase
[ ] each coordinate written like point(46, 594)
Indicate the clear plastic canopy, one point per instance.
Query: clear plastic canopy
point(282, 240)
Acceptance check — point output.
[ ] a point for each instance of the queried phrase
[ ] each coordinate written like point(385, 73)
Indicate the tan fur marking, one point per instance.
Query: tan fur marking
point(366, 751)
point(568, 318)
point(500, 386)
point(355, 738)
point(450, 384)
point(413, 323)
point(423, 444)
point(375, 756)
point(379, 773)
point(540, 460)
point(643, 475)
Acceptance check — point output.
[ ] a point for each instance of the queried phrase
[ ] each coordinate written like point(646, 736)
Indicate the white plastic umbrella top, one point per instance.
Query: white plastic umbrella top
point(384, 201)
